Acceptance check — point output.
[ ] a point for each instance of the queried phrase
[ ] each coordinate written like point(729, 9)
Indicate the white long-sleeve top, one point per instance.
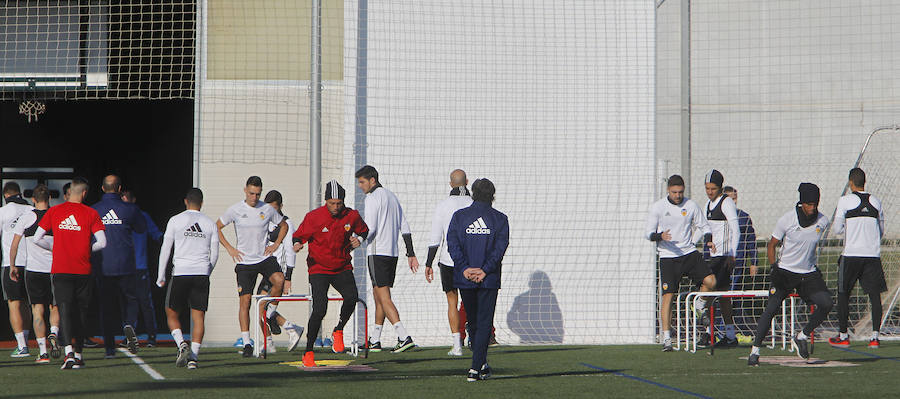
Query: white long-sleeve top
point(384, 216)
point(680, 220)
point(9, 218)
point(441, 222)
point(725, 233)
point(196, 241)
point(863, 231)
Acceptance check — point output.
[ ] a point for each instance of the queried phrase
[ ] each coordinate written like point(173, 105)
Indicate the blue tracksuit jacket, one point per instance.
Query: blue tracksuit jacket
point(121, 220)
point(477, 238)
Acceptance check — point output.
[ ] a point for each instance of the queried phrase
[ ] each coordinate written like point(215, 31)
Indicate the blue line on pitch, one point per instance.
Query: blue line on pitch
point(620, 374)
point(869, 354)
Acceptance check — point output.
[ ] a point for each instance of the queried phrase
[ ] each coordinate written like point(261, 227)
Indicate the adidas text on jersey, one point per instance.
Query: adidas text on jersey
point(194, 231)
point(478, 227)
point(69, 223)
point(111, 218)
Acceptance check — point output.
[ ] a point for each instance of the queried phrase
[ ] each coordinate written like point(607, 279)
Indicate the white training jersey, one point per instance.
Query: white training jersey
point(680, 220)
point(722, 217)
point(196, 242)
point(251, 227)
point(9, 219)
point(285, 252)
point(39, 259)
point(863, 223)
point(386, 222)
point(798, 251)
point(441, 222)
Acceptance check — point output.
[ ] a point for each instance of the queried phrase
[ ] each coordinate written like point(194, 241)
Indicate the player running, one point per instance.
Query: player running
point(721, 215)
point(196, 251)
point(799, 231)
point(331, 232)
point(251, 218)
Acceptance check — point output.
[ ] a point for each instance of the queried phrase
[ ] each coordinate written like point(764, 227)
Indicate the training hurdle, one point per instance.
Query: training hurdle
point(259, 349)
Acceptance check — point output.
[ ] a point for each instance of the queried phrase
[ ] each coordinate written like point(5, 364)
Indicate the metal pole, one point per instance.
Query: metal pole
point(360, 145)
point(199, 80)
point(686, 95)
point(315, 108)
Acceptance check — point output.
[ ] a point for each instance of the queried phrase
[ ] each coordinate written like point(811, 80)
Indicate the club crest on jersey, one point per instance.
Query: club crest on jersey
point(347, 227)
point(665, 286)
point(684, 212)
point(772, 291)
point(818, 229)
point(262, 216)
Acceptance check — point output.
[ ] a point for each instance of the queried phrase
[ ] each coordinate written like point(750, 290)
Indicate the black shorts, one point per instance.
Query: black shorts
point(246, 274)
point(867, 270)
point(671, 270)
point(382, 270)
point(40, 291)
point(187, 291)
point(446, 278)
point(14, 290)
point(722, 267)
point(806, 284)
point(73, 289)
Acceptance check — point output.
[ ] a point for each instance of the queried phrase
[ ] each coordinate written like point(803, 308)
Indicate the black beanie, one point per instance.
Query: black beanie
point(333, 190)
point(809, 193)
point(715, 177)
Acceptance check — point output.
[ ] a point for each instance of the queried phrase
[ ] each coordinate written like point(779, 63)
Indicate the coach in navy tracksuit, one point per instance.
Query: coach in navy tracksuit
point(477, 239)
point(116, 263)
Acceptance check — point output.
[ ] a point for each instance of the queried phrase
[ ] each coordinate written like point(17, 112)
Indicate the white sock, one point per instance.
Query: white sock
point(376, 333)
point(195, 349)
point(289, 324)
point(42, 343)
point(270, 309)
point(245, 335)
point(754, 350)
point(54, 330)
point(20, 339)
point(78, 355)
point(701, 306)
point(801, 336)
point(844, 336)
point(401, 332)
point(456, 343)
point(69, 349)
point(730, 331)
point(874, 335)
point(667, 335)
point(178, 336)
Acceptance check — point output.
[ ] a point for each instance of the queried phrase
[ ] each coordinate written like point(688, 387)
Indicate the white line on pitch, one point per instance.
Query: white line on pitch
point(144, 366)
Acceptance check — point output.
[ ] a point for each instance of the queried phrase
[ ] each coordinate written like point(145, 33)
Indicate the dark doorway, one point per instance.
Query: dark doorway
point(148, 143)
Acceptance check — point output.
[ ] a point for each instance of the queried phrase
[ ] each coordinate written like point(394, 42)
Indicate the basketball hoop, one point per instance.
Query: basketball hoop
point(32, 108)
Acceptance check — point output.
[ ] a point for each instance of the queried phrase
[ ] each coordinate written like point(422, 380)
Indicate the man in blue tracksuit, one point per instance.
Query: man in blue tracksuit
point(116, 264)
point(143, 281)
point(477, 239)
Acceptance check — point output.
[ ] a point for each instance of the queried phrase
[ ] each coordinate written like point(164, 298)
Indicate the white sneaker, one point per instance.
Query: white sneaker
point(294, 335)
point(457, 351)
point(270, 345)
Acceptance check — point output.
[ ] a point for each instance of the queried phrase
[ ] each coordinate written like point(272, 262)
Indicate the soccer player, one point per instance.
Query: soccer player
point(721, 215)
point(196, 242)
point(477, 240)
point(860, 217)
point(331, 232)
point(459, 199)
point(72, 224)
point(37, 274)
point(386, 221)
point(118, 273)
point(14, 291)
point(745, 256)
point(670, 224)
point(286, 258)
point(799, 232)
point(142, 279)
point(252, 257)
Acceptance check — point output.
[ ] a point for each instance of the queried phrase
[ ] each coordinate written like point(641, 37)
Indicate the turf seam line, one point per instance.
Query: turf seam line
point(144, 366)
point(868, 354)
point(646, 381)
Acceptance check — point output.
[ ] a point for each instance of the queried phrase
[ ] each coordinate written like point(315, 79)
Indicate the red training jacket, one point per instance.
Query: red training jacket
point(329, 239)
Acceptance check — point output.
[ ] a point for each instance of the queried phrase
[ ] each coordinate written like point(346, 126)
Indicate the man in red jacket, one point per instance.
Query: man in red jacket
point(331, 232)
